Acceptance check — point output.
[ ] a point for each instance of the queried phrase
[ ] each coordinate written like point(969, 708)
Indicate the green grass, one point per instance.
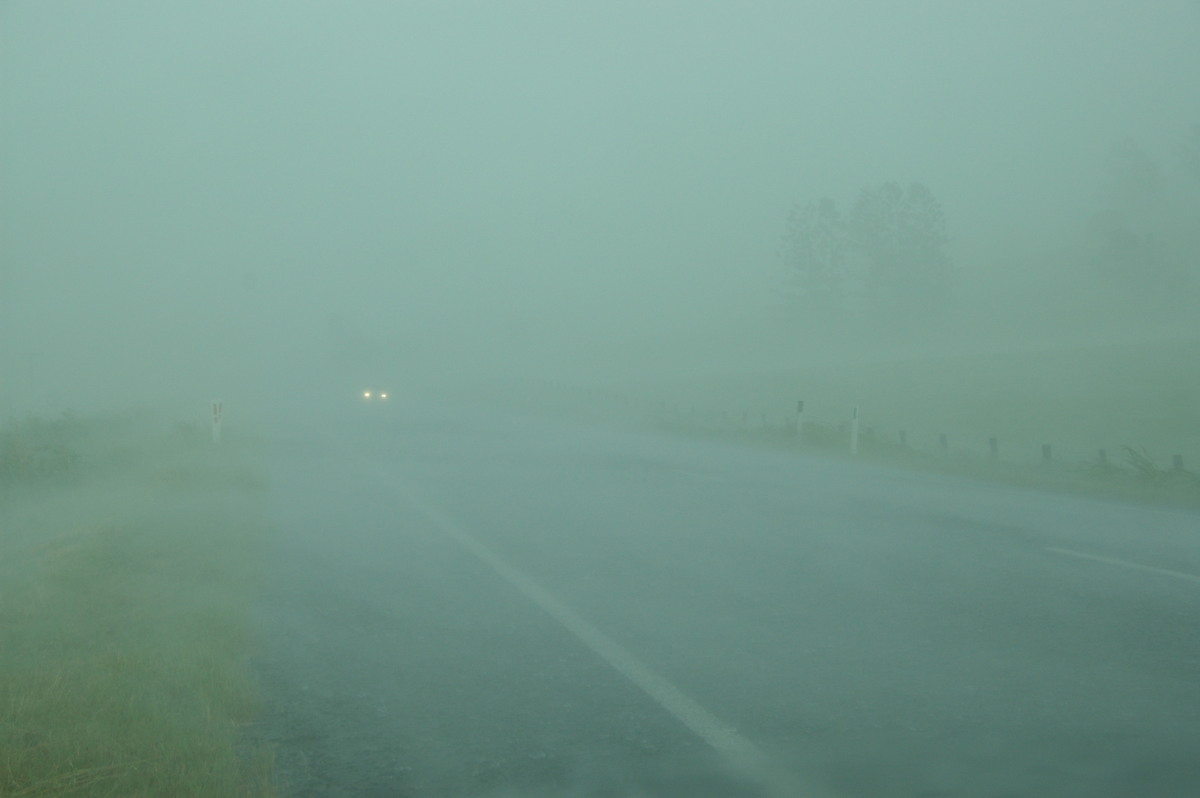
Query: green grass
point(1140, 402)
point(39, 449)
point(1078, 399)
point(125, 581)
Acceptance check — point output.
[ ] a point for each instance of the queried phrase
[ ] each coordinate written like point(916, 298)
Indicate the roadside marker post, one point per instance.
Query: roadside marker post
point(216, 420)
point(800, 420)
point(854, 431)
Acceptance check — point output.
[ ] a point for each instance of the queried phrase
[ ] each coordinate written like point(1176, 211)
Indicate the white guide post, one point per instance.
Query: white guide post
point(216, 420)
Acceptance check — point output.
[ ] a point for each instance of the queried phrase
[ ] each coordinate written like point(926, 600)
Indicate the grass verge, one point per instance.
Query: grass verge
point(128, 559)
point(1134, 477)
point(1117, 418)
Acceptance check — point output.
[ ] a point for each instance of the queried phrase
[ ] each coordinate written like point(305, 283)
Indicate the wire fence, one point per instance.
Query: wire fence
point(1128, 470)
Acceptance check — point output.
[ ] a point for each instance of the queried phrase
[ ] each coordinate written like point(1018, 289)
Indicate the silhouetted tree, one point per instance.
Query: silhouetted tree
point(1125, 234)
point(901, 237)
point(1122, 254)
point(814, 250)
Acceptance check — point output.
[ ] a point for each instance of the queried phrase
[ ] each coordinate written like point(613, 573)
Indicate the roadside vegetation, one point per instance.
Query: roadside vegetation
point(1114, 420)
point(128, 558)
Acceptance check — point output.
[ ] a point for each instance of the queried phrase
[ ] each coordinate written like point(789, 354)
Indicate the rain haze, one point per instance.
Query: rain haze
point(628, 271)
point(204, 198)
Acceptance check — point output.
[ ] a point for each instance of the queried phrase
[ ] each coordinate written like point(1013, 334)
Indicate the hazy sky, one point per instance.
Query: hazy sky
point(191, 190)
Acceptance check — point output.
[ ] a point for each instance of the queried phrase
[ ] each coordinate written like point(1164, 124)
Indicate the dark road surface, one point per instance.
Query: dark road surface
point(464, 604)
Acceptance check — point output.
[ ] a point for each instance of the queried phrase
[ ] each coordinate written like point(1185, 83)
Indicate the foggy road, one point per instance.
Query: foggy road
point(463, 603)
point(974, 222)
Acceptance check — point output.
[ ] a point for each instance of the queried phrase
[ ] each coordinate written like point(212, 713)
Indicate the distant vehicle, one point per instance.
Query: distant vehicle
point(371, 395)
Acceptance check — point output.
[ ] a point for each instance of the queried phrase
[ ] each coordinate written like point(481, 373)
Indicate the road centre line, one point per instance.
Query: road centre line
point(735, 748)
point(1126, 564)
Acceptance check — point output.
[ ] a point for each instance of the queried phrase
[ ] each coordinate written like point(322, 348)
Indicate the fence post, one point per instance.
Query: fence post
point(217, 405)
point(800, 420)
point(854, 431)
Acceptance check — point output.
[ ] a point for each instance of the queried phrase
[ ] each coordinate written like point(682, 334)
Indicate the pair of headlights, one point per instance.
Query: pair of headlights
point(374, 395)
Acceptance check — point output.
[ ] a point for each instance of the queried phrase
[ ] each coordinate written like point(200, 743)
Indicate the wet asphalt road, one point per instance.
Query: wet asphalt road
point(470, 604)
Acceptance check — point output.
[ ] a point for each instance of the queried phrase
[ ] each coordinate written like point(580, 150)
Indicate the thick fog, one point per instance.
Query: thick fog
point(235, 198)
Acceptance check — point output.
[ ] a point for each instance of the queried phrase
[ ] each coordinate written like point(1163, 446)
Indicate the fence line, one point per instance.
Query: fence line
point(799, 430)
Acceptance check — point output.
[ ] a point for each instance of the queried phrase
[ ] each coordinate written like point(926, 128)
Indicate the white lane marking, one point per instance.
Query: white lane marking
point(737, 750)
point(1126, 564)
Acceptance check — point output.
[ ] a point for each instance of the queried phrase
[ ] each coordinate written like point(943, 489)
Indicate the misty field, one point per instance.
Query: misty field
point(1139, 402)
point(128, 558)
